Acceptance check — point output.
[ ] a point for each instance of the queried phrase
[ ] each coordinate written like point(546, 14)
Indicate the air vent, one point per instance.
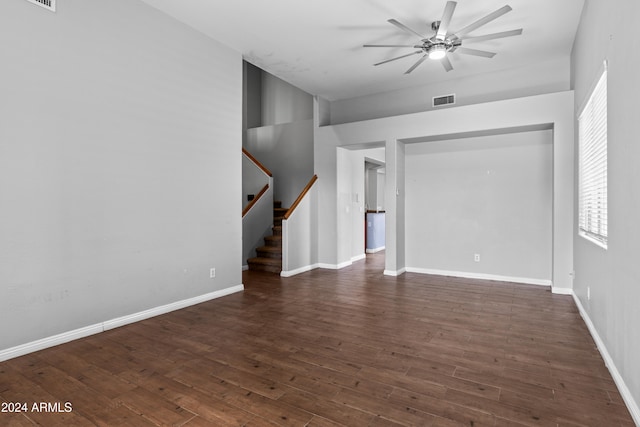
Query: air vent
point(47, 4)
point(439, 101)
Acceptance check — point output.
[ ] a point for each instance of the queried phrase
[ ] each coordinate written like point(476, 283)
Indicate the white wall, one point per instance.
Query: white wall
point(357, 206)
point(380, 186)
point(613, 275)
point(258, 221)
point(300, 236)
point(544, 77)
point(488, 195)
point(287, 151)
point(395, 198)
point(374, 178)
point(374, 188)
point(119, 125)
point(344, 198)
point(536, 112)
point(257, 224)
point(253, 179)
point(371, 188)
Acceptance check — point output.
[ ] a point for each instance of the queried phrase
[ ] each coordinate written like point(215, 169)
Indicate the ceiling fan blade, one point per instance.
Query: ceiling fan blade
point(446, 20)
point(482, 21)
point(493, 36)
point(414, 66)
point(399, 57)
point(405, 28)
point(389, 45)
point(446, 64)
point(476, 52)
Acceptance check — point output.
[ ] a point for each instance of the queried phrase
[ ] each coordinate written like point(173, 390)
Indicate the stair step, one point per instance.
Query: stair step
point(279, 211)
point(273, 240)
point(277, 220)
point(269, 252)
point(277, 230)
point(277, 204)
point(271, 265)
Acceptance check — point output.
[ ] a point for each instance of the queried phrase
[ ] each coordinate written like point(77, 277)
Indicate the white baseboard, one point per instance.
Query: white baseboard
point(146, 314)
point(480, 276)
point(343, 265)
point(561, 291)
point(632, 405)
point(395, 273)
point(334, 266)
point(86, 331)
point(245, 267)
point(358, 257)
point(304, 269)
point(373, 251)
point(43, 343)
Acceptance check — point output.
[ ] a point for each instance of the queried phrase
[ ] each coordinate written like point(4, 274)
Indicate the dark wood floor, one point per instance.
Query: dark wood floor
point(329, 348)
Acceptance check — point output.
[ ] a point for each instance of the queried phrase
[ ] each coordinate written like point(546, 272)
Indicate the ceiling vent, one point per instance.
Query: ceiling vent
point(439, 101)
point(47, 4)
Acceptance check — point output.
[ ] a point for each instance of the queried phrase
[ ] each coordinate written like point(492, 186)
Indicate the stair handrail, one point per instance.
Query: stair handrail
point(255, 200)
point(256, 162)
point(304, 192)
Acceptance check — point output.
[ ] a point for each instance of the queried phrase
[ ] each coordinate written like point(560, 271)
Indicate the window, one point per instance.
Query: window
point(592, 173)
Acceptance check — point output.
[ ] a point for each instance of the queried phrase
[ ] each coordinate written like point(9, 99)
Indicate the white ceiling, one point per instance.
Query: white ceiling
point(316, 45)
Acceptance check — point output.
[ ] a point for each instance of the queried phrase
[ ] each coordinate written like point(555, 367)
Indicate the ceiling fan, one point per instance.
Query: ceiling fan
point(443, 42)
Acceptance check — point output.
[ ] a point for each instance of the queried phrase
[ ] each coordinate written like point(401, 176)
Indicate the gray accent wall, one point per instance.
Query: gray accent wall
point(282, 139)
point(490, 196)
point(287, 151)
point(283, 102)
point(120, 165)
point(252, 96)
point(544, 77)
point(612, 276)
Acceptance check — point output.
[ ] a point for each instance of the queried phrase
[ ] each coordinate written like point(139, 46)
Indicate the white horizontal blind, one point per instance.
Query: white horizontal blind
point(592, 134)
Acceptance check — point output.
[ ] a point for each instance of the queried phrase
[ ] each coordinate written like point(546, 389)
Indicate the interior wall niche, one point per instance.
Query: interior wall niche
point(481, 205)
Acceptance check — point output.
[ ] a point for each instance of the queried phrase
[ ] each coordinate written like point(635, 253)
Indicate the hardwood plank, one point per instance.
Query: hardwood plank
point(277, 411)
point(529, 414)
point(525, 383)
point(404, 382)
point(446, 409)
point(456, 383)
point(385, 412)
point(97, 379)
point(16, 420)
point(140, 400)
point(328, 409)
point(208, 408)
point(317, 421)
point(241, 398)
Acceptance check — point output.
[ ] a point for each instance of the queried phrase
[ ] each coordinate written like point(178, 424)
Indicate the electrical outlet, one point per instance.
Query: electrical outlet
point(476, 257)
point(212, 273)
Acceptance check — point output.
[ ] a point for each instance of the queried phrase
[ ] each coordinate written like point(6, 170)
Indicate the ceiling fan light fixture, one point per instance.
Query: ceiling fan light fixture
point(437, 51)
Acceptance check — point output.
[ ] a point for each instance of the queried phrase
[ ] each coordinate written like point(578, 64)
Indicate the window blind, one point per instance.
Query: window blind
point(592, 179)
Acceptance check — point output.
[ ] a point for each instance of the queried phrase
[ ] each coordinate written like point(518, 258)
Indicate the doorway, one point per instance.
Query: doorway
point(374, 217)
point(361, 174)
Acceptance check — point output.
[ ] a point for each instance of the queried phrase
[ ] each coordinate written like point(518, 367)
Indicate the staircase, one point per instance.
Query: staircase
point(270, 255)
